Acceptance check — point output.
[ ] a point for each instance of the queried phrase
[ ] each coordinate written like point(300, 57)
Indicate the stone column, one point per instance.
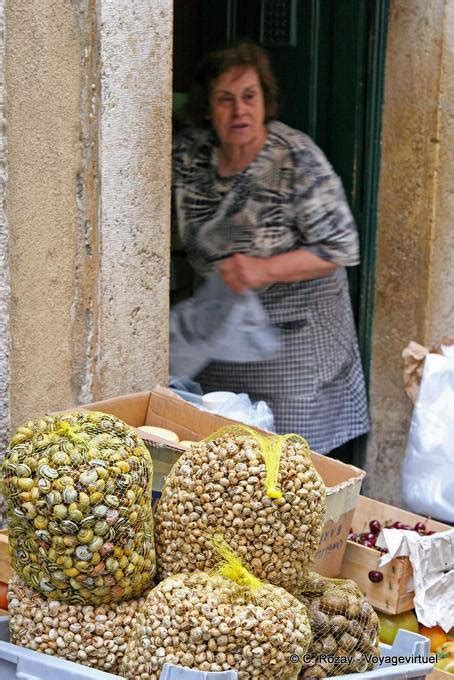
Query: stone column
point(441, 279)
point(43, 77)
point(135, 144)
point(5, 290)
point(415, 248)
point(84, 259)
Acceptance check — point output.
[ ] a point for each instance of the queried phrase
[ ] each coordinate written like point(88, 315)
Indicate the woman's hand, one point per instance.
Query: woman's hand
point(242, 272)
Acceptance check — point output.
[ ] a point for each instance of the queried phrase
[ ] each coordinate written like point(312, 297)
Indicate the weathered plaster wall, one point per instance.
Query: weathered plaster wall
point(414, 220)
point(84, 309)
point(135, 142)
point(89, 100)
point(5, 290)
point(43, 81)
point(441, 301)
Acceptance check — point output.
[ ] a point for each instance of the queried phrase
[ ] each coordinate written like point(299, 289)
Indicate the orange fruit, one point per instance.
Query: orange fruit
point(436, 635)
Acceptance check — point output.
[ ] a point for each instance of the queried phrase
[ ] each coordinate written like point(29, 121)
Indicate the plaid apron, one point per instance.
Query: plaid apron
point(315, 385)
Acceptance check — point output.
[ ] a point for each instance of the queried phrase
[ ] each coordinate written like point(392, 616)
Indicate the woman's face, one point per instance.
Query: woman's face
point(237, 107)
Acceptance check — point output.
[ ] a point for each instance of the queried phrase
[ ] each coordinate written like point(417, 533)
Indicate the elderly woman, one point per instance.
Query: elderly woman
point(258, 200)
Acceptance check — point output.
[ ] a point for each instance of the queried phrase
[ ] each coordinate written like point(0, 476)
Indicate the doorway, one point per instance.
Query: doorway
point(328, 56)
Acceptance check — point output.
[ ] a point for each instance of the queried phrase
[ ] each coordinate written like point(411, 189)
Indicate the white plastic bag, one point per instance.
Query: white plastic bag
point(427, 483)
point(216, 324)
point(239, 407)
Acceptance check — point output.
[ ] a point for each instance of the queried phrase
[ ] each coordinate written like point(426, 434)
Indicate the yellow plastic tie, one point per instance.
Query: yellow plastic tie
point(64, 429)
point(270, 448)
point(232, 567)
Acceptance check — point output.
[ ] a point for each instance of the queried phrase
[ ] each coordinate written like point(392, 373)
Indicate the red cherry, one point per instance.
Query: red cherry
point(368, 544)
point(430, 533)
point(383, 550)
point(375, 526)
point(375, 576)
point(352, 536)
point(420, 527)
point(363, 538)
point(397, 525)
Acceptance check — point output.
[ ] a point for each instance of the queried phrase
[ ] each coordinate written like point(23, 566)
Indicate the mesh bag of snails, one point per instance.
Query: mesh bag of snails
point(78, 494)
point(93, 636)
point(262, 492)
point(345, 627)
point(223, 620)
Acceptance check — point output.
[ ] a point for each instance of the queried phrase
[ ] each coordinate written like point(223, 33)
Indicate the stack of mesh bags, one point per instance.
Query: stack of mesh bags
point(265, 497)
point(78, 493)
point(223, 620)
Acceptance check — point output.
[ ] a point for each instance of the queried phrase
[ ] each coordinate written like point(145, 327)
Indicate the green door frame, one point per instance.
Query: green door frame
point(361, 177)
point(360, 119)
point(371, 172)
point(374, 97)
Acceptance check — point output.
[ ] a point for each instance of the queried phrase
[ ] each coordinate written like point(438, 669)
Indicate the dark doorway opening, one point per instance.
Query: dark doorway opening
point(329, 57)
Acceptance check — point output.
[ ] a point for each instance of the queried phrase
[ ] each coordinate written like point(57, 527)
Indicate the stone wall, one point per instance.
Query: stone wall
point(84, 295)
point(5, 287)
point(135, 147)
point(415, 239)
point(441, 277)
point(43, 75)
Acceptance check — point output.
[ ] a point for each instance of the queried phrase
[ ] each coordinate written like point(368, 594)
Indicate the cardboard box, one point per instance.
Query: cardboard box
point(6, 571)
point(393, 595)
point(162, 408)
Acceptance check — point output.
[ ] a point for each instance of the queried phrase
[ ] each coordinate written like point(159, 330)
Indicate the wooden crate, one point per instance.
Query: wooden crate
point(391, 595)
point(6, 570)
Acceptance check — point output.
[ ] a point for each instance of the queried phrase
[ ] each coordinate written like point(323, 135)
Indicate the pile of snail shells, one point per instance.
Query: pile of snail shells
point(343, 623)
point(78, 490)
point(93, 636)
point(219, 486)
point(210, 623)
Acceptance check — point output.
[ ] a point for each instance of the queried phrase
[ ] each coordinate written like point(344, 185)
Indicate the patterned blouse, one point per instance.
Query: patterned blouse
point(288, 197)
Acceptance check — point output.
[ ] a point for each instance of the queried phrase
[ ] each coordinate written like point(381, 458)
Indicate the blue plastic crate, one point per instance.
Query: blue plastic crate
point(19, 662)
